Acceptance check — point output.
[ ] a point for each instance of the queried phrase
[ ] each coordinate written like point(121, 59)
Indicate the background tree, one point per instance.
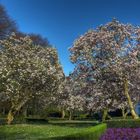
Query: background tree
point(7, 25)
point(71, 99)
point(39, 40)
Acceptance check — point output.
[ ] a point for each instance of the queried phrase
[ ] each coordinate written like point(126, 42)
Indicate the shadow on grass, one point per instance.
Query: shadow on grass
point(74, 124)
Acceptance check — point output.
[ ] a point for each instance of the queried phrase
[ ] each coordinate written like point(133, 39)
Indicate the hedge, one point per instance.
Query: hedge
point(91, 133)
point(123, 123)
point(36, 120)
point(2, 121)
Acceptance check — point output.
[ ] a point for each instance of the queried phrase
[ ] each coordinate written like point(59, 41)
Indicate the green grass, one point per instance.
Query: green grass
point(47, 131)
point(92, 133)
point(25, 131)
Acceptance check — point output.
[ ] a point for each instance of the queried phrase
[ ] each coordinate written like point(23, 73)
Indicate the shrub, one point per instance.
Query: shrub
point(36, 120)
point(51, 112)
point(80, 117)
point(17, 120)
point(2, 121)
point(56, 119)
point(91, 133)
point(74, 123)
point(123, 123)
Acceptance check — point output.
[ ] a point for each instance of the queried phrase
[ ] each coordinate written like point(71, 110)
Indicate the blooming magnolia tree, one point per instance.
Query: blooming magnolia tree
point(26, 71)
point(110, 49)
point(104, 94)
point(71, 98)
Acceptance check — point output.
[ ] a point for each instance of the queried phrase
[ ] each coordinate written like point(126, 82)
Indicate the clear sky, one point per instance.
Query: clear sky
point(62, 21)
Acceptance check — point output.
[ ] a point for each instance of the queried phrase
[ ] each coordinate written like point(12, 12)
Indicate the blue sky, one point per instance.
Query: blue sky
point(62, 21)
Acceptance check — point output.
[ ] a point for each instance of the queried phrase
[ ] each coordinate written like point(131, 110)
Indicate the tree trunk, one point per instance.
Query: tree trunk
point(124, 114)
point(10, 116)
point(134, 115)
point(63, 114)
point(3, 110)
point(70, 115)
point(104, 114)
point(25, 112)
point(14, 110)
point(109, 116)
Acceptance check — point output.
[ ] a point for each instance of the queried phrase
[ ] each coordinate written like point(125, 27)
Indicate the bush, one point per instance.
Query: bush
point(74, 123)
point(98, 116)
point(19, 119)
point(56, 119)
point(123, 123)
point(36, 120)
point(2, 121)
point(80, 117)
point(51, 112)
point(91, 133)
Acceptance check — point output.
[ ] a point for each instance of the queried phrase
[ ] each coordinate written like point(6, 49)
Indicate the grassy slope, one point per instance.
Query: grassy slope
point(37, 131)
point(34, 131)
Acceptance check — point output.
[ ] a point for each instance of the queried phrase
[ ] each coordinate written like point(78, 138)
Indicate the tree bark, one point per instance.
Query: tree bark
point(10, 116)
point(105, 111)
point(14, 109)
point(109, 116)
point(124, 114)
point(25, 112)
point(70, 115)
point(63, 114)
point(3, 110)
point(132, 110)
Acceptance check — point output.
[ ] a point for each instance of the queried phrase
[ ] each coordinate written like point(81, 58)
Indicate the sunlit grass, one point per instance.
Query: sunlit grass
point(37, 131)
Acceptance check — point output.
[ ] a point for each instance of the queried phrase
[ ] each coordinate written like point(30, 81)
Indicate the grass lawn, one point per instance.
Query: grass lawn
point(39, 131)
